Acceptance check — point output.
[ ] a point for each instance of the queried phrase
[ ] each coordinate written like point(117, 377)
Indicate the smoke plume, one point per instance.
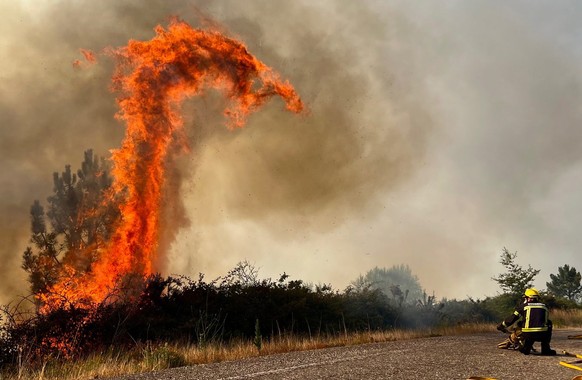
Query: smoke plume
point(437, 134)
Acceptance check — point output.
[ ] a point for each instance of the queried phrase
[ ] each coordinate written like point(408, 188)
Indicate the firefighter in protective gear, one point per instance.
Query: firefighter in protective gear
point(532, 315)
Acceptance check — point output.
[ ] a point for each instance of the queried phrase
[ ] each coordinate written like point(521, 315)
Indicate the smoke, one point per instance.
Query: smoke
point(437, 134)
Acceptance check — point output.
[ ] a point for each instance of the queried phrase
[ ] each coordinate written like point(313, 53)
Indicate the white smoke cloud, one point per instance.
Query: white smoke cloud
point(439, 133)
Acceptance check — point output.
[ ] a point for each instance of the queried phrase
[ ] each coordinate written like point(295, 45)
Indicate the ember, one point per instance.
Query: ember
point(152, 79)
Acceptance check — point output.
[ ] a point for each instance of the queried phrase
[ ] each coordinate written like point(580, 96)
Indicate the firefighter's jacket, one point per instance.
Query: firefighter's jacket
point(533, 316)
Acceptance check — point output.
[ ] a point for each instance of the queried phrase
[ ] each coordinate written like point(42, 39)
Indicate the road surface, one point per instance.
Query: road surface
point(449, 357)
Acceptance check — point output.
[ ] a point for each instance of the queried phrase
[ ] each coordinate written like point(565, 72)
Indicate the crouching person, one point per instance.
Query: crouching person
point(535, 325)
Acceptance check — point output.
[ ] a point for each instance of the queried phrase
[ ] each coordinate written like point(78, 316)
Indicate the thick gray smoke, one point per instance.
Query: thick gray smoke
point(438, 133)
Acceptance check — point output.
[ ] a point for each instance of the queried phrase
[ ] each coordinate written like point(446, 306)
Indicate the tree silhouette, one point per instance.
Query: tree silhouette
point(397, 282)
point(516, 279)
point(78, 220)
point(566, 283)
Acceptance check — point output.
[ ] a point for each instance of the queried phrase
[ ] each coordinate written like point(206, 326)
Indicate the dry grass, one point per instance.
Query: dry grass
point(566, 318)
point(145, 358)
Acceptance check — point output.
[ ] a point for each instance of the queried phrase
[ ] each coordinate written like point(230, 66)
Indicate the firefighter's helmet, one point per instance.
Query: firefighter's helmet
point(532, 293)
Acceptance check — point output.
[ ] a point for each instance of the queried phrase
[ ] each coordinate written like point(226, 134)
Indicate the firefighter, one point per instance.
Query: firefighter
point(532, 315)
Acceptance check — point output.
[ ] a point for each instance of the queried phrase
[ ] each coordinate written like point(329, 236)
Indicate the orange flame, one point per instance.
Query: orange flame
point(153, 78)
point(89, 58)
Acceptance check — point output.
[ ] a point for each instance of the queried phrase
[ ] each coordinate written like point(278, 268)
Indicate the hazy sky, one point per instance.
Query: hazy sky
point(439, 132)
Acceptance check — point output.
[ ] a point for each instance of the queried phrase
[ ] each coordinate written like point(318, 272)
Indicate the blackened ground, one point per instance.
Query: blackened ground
point(450, 357)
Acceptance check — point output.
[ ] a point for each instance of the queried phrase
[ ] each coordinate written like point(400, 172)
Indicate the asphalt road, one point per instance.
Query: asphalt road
point(452, 357)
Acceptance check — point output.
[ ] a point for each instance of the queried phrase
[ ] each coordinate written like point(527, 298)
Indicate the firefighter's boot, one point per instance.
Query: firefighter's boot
point(546, 350)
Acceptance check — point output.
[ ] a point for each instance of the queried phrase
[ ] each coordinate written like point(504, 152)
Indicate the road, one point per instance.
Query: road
point(450, 357)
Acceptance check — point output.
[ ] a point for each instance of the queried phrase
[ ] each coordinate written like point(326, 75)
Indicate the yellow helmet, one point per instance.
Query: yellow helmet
point(532, 293)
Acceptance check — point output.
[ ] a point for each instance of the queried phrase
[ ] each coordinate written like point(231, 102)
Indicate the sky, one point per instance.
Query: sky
point(438, 133)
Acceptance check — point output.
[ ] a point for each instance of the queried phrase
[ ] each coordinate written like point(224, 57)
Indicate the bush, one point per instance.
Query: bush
point(181, 310)
point(560, 303)
point(162, 357)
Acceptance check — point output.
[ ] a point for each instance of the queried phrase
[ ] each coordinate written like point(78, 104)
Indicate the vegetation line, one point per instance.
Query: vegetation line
point(154, 357)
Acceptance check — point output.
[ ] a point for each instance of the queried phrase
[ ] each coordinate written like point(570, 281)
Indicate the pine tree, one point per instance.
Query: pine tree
point(79, 220)
point(566, 283)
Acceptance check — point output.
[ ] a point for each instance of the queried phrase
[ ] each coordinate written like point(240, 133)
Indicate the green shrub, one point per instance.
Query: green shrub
point(162, 357)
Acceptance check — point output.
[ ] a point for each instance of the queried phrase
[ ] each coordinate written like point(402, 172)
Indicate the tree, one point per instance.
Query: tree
point(516, 279)
point(79, 220)
point(244, 273)
point(42, 265)
point(397, 283)
point(566, 283)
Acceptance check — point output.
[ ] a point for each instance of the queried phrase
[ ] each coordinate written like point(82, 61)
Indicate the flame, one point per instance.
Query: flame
point(89, 56)
point(153, 78)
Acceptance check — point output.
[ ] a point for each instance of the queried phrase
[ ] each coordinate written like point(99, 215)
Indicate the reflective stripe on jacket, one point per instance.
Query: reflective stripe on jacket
point(533, 317)
point(536, 317)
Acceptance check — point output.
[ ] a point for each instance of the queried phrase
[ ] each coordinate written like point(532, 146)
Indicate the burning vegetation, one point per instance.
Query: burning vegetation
point(95, 249)
point(104, 245)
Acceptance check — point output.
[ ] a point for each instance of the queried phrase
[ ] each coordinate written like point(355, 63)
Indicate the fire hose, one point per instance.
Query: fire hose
point(572, 364)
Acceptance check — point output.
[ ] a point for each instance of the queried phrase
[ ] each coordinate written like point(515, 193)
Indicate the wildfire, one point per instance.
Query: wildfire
point(152, 79)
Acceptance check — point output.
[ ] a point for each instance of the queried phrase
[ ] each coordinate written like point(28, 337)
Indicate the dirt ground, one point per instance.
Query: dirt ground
point(451, 357)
